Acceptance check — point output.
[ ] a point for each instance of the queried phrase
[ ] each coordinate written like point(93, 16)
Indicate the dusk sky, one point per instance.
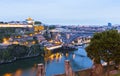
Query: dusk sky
point(62, 11)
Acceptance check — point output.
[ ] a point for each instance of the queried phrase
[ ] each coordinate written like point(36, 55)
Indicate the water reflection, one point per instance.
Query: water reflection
point(78, 60)
point(54, 64)
point(58, 56)
point(7, 74)
point(18, 72)
point(27, 67)
point(73, 56)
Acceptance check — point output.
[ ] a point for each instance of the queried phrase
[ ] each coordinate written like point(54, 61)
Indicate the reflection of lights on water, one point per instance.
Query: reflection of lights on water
point(18, 72)
point(35, 65)
point(56, 56)
point(73, 56)
point(66, 54)
point(7, 74)
point(33, 69)
point(60, 56)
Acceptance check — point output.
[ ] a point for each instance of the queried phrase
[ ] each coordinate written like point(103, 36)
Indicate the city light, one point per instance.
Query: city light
point(19, 37)
point(15, 42)
point(5, 40)
point(30, 34)
point(33, 42)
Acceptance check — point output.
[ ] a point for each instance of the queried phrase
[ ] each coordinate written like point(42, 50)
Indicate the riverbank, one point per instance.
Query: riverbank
point(15, 59)
point(22, 64)
point(18, 52)
point(62, 50)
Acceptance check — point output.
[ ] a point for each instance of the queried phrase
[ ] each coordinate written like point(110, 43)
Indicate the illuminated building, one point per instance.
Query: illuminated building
point(15, 42)
point(15, 25)
point(38, 28)
point(5, 40)
point(30, 21)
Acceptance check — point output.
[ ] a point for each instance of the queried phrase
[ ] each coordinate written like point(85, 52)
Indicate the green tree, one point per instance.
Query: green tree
point(18, 50)
point(1, 54)
point(5, 55)
point(38, 23)
point(52, 27)
point(105, 46)
point(36, 50)
point(6, 32)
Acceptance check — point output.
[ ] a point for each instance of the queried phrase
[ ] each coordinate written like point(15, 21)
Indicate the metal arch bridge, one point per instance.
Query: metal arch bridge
point(67, 41)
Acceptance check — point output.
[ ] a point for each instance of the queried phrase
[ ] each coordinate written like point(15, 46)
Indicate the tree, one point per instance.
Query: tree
point(36, 50)
point(6, 32)
point(52, 27)
point(105, 46)
point(5, 55)
point(38, 23)
point(17, 50)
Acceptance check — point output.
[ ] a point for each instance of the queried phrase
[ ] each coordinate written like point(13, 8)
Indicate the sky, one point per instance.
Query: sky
point(65, 12)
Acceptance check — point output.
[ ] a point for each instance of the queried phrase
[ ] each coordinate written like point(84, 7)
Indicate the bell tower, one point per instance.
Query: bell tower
point(30, 21)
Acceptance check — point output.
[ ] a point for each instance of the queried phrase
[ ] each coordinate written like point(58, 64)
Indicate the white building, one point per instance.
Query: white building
point(15, 25)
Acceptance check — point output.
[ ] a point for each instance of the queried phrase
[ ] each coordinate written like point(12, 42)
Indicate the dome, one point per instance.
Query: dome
point(29, 19)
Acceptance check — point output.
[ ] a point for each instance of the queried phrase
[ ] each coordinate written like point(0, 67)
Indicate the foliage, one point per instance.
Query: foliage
point(36, 49)
point(38, 23)
point(16, 51)
point(4, 55)
point(6, 32)
point(52, 27)
point(105, 46)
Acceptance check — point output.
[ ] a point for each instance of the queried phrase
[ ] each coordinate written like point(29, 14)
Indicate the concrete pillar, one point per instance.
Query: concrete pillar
point(40, 70)
point(68, 69)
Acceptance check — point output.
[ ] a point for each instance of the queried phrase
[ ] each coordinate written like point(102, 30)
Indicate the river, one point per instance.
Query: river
point(54, 64)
